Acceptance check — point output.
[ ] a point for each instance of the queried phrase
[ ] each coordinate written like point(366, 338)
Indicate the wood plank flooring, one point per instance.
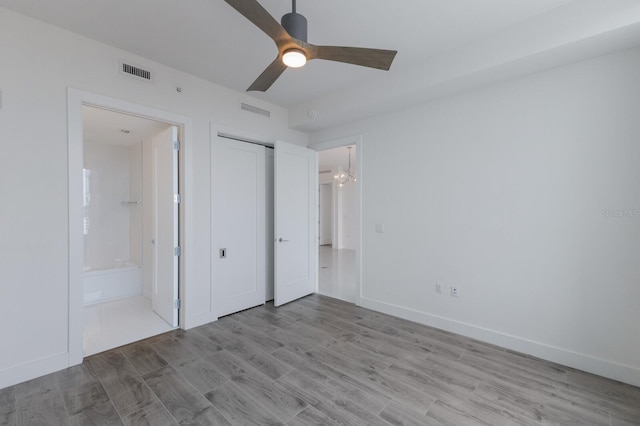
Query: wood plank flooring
point(317, 361)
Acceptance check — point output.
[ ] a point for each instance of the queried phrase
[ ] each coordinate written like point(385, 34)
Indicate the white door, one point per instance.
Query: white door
point(295, 222)
point(165, 186)
point(238, 220)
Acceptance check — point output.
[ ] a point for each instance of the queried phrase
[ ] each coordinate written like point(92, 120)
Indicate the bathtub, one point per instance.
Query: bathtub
point(103, 285)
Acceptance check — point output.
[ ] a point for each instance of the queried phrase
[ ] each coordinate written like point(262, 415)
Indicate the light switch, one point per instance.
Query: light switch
point(380, 228)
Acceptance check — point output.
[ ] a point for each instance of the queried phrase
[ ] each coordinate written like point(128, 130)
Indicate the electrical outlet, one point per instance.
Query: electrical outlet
point(438, 288)
point(455, 291)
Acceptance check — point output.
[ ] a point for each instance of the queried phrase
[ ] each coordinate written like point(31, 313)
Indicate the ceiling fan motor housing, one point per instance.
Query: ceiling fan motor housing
point(296, 25)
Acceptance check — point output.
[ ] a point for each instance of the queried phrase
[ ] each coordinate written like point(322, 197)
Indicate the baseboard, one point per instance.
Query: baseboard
point(31, 370)
point(608, 369)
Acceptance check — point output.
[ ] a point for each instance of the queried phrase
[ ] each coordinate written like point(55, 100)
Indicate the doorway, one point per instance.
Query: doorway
point(130, 227)
point(77, 101)
point(339, 219)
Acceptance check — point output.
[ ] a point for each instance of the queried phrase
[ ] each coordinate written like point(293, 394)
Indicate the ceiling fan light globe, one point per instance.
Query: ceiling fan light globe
point(294, 58)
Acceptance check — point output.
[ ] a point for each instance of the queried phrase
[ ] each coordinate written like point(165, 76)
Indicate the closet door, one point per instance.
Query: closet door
point(237, 225)
point(295, 222)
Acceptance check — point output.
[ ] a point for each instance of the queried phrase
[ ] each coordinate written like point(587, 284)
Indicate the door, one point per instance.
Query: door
point(295, 222)
point(164, 298)
point(238, 221)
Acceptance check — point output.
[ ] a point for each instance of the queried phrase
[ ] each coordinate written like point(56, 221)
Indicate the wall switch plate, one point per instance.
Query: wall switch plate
point(455, 291)
point(438, 288)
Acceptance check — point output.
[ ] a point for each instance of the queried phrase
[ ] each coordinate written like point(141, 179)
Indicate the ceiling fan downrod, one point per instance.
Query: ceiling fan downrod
point(295, 24)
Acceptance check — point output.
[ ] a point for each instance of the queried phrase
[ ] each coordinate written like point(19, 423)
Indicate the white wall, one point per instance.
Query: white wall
point(34, 226)
point(107, 241)
point(148, 226)
point(347, 211)
point(326, 213)
point(523, 194)
point(136, 210)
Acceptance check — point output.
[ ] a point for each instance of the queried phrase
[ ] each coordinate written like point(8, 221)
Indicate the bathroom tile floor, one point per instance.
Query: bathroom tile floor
point(120, 322)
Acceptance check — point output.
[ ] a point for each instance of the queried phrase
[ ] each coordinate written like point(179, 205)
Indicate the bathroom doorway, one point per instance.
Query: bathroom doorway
point(130, 228)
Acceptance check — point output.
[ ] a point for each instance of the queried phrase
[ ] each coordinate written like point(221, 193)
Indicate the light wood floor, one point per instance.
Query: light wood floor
point(317, 361)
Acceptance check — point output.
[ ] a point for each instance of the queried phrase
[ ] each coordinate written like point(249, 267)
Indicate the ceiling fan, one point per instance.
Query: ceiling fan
point(293, 50)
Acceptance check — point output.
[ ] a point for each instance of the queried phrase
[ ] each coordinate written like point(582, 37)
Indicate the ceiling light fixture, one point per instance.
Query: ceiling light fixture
point(291, 40)
point(294, 58)
point(346, 175)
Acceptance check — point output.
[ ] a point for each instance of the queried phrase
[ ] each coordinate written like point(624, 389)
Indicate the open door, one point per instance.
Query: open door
point(164, 299)
point(295, 222)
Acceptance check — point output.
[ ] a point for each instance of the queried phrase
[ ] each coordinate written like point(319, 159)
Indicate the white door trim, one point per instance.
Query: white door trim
point(75, 100)
point(337, 143)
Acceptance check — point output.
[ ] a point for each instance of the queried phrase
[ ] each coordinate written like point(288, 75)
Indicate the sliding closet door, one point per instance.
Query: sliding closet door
point(237, 225)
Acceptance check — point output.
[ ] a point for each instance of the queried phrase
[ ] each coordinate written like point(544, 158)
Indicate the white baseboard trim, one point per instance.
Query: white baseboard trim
point(608, 369)
point(31, 370)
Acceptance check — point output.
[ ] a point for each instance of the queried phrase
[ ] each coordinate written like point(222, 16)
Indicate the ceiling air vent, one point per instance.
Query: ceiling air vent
point(255, 110)
point(135, 71)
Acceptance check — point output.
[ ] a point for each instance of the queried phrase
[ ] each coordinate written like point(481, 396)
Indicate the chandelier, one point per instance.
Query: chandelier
point(347, 175)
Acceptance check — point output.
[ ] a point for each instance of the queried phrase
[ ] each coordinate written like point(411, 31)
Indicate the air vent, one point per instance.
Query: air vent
point(136, 72)
point(255, 110)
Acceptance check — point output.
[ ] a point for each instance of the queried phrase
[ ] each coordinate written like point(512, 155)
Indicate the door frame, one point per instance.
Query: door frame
point(338, 143)
point(75, 100)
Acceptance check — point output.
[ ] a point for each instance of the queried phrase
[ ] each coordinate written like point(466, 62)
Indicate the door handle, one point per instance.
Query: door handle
point(282, 240)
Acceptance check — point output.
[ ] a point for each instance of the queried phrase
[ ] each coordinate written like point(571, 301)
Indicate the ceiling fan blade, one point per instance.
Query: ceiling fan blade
point(254, 12)
point(373, 58)
point(268, 76)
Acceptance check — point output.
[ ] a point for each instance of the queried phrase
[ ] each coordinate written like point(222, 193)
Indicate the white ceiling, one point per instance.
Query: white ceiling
point(114, 128)
point(209, 39)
